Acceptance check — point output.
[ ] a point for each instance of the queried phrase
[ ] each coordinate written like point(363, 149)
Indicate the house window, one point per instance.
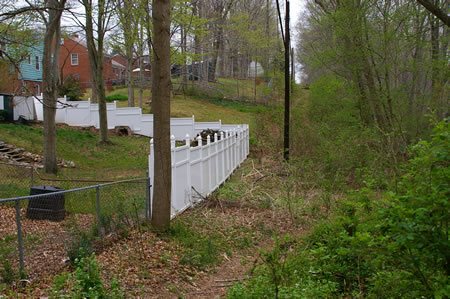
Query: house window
point(29, 59)
point(74, 59)
point(37, 88)
point(38, 66)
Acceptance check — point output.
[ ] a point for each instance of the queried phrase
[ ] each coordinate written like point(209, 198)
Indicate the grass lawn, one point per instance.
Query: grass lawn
point(127, 157)
point(122, 91)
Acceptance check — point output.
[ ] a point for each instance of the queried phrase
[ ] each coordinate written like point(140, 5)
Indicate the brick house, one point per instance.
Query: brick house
point(28, 79)
point(74, 62)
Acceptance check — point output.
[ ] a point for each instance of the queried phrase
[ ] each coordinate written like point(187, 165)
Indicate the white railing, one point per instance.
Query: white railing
point(198, 171)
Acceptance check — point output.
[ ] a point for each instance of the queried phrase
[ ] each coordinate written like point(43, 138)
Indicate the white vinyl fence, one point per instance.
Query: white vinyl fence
point(200, 170)
point(22, 106)
point(85, 114)
point(196, 171)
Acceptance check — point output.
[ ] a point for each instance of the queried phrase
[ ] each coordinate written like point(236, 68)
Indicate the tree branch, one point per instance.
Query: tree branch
point(436, 11)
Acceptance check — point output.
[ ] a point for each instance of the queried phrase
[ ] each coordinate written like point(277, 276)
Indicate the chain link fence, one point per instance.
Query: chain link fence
point(43, 229)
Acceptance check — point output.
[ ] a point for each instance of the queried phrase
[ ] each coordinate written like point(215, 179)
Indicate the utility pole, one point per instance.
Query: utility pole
point(287, 46)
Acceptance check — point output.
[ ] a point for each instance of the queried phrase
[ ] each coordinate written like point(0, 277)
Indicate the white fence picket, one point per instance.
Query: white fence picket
point(203, 167)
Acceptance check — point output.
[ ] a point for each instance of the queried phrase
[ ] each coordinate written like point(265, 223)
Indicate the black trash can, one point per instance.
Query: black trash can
point(50, 207)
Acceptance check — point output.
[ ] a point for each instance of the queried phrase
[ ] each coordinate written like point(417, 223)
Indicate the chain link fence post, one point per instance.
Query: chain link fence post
point(19, 236)
point(97, 189)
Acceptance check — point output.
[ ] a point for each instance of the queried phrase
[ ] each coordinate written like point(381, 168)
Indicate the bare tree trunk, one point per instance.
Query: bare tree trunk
point(130, 75)
point(50, 76)
point(141, 64)
point(211, 75)
point(161, 110)
point(141, 80)
point(93, 89)
point(95, 53)
point(196, 10)
point(434, 26)
point(149, 39)
point(184, 67)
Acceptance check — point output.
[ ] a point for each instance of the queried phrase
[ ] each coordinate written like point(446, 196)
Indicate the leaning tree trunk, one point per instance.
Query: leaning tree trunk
point(161, 111)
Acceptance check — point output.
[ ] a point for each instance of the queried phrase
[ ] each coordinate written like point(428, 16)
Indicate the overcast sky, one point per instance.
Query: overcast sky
point(297, 7)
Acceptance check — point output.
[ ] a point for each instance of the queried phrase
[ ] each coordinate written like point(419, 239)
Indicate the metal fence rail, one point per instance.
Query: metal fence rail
point(41, 233)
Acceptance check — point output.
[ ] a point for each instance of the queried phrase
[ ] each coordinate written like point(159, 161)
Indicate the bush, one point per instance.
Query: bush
point(84, 282)
point(4, 115)
point(116, 97)
point(71, 88)
point(395, 246)
point(79, 248)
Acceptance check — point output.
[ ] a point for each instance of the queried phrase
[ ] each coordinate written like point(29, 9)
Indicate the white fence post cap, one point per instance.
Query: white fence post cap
point(188, 139)
point(208, 139)
point(199, 140)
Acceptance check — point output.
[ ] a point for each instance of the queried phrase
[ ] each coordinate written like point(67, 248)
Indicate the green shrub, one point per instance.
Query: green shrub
point(4, 115)
point(79, 248)
point(7, 250)
point(71, 88)
point(116, 97)
point(394, 245)
point(84, 282)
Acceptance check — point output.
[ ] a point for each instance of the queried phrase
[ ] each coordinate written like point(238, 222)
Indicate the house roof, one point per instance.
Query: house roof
point(138, 70)
point(79, 40)
point(116, 64)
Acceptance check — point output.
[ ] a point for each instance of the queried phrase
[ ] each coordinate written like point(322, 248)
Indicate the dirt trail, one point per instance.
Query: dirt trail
point(216, 283)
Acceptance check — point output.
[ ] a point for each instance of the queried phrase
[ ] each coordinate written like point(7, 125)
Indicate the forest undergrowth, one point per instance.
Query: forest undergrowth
point(378, 220)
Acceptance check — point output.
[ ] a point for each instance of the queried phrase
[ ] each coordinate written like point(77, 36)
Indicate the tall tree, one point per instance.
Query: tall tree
point(50, 75)
point(50, 13)
point(390, 55)
point(125, 10)
point(101, 12)
point(161, 111)
point(220, 9)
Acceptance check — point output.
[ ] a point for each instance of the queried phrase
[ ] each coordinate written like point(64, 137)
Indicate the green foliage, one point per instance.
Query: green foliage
point(418, 218)
point(7, 272)
point(395, 245)
point(331, 138)
point(79, 248)
point(71, 88)
point(122, 213)
point(84, 282)
point(4, 115)
point(116, 97)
